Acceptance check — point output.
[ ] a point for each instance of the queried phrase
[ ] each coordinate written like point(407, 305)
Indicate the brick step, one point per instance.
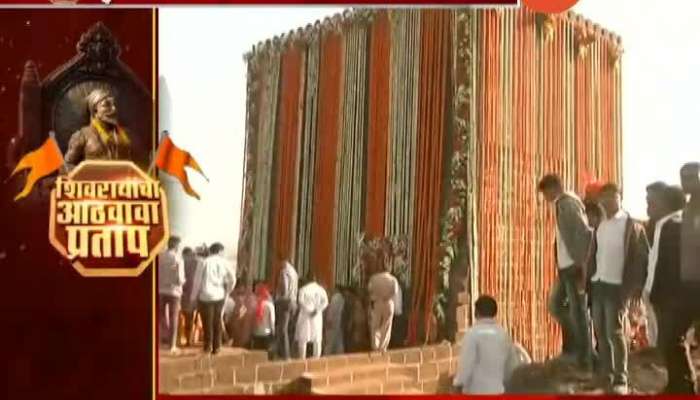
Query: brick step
point(310, 381)
point(251, 388)
point(195, 360)
point(412, 392)
point(181, 372)
point(398, 384)
point(194, 371)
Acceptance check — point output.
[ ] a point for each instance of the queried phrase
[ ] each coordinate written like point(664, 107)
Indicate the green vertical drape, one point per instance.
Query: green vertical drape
point(351, 184)
point(307, 158)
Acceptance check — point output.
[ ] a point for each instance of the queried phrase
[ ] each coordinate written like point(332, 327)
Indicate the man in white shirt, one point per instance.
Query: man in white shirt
point(487, 355)
point(618, 271)
point(213, 283)
point(573, 239)
point(313, 300)
point(286, 305)
point(171, 278)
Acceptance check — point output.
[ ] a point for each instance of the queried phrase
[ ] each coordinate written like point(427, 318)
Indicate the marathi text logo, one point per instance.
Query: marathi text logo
point(108, 218)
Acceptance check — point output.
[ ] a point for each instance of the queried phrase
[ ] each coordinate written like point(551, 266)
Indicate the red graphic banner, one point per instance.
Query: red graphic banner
point(251, 2)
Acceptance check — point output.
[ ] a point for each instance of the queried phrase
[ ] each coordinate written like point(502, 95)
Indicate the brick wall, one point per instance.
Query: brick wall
point(251, 373)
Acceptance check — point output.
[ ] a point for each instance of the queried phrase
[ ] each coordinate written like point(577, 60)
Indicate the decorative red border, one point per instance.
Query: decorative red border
point(253, 2)
point(431, 397)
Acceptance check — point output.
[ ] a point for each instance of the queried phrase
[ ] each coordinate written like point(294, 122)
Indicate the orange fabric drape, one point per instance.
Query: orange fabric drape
point(489, 95)
point(288, 132)
point(435, 67)
point(378, 129)
point(330, 91)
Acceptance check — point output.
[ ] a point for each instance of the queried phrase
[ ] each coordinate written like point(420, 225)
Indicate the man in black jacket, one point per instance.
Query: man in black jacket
point(663, 279)
point(687, 309)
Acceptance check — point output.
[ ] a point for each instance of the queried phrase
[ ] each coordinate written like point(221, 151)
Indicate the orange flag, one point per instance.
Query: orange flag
point(173, 160)
point(42, 161)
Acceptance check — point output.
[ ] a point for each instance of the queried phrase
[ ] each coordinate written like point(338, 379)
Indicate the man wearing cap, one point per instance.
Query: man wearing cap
point(103, 138)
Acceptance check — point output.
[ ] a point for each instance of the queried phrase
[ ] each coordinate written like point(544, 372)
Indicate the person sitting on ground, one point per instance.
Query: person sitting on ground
point(487, 356)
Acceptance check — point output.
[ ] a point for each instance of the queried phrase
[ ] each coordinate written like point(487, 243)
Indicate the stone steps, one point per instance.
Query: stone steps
point(398, 384)
point(239, 371)
point(313, 381)
point(193, 370)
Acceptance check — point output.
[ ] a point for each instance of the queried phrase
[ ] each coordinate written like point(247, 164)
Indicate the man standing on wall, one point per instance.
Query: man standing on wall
point(618, 272)
point(664, 205)
point(573, 239)
point(688, 309)
point(286, 305)
point(663, 277)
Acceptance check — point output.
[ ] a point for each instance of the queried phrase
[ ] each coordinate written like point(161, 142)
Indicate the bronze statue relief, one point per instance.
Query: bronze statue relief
point(103, 138)
point(97, 107)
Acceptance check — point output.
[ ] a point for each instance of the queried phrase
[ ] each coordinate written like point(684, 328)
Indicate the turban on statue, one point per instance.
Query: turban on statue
point(95, 97)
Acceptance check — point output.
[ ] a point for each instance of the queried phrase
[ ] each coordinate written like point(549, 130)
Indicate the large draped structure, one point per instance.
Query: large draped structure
point(434, 125)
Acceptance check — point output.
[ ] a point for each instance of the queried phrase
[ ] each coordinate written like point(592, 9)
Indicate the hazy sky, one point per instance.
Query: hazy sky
point(660, 87)
point(201, 60)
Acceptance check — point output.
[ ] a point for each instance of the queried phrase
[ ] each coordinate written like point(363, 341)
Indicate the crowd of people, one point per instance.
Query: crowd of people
point(631, 281)
point(621, 283)
point(634, 283)
point(200, 291)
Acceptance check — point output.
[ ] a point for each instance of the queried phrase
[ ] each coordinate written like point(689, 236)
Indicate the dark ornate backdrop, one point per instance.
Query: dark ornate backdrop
point(65, 336)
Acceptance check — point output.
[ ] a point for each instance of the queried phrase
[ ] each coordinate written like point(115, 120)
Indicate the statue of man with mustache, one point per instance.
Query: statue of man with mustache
point(103, 138)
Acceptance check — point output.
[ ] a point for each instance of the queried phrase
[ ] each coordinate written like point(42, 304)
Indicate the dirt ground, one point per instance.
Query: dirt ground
point(647, 376)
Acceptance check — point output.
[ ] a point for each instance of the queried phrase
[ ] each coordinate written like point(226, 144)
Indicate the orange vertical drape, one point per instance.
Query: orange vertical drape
point(378, 129)
point(330, 91)
point(490, 99)
point(288, 131)
point(435, 66)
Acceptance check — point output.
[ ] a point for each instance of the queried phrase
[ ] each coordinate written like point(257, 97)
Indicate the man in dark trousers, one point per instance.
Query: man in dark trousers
point(573, 239)
point(617, 271)
point(663, 277)
point(286, 305)
point(687, 309)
